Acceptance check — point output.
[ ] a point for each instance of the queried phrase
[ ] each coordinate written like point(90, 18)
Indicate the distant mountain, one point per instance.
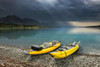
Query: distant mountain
point(12, 19)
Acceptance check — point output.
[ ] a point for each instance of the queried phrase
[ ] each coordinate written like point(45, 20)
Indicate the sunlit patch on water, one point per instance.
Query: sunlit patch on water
point(84, 31)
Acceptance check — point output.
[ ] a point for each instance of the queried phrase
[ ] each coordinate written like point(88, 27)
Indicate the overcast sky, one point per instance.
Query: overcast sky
point(52, 11)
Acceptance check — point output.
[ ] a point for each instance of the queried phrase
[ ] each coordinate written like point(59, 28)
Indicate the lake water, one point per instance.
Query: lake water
point(89, 37)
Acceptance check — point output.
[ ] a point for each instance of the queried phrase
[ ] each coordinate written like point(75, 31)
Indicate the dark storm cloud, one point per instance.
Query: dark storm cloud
point(58, 11)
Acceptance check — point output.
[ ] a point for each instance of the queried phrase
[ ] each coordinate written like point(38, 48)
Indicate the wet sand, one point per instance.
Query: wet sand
point(15, 57)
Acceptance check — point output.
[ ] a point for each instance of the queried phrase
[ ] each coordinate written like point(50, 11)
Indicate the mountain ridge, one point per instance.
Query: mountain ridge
point(13, 19)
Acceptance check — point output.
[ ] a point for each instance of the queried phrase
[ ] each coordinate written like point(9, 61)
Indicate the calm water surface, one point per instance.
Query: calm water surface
point(89, 37)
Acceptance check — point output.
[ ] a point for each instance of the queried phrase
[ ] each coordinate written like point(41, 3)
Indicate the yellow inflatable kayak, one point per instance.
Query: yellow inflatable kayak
point(65, 51)
point(45, 48)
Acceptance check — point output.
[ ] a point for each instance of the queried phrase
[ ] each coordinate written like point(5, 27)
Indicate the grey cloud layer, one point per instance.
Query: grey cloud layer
point(52, 10)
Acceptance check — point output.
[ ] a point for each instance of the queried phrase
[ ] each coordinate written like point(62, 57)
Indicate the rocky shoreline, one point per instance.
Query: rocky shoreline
point(14, 57)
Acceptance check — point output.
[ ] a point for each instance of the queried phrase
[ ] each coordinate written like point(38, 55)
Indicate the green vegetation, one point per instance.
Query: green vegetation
point(20, 26)
point(93, 26)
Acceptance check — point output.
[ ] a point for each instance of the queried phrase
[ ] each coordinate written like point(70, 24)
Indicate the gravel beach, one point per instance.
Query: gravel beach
point(15, 57)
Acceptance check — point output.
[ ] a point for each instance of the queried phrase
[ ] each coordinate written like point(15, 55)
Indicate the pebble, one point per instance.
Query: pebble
point(2, 65)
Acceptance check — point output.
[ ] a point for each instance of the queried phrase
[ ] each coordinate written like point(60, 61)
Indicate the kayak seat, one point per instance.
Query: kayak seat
point(36, 48)
point(46, 45)
point(69, 47)
point(54, 42)
point(62, 49)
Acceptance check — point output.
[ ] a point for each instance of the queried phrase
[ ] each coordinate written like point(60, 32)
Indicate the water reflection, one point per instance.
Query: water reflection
point(84, 31)
point(15, 34)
